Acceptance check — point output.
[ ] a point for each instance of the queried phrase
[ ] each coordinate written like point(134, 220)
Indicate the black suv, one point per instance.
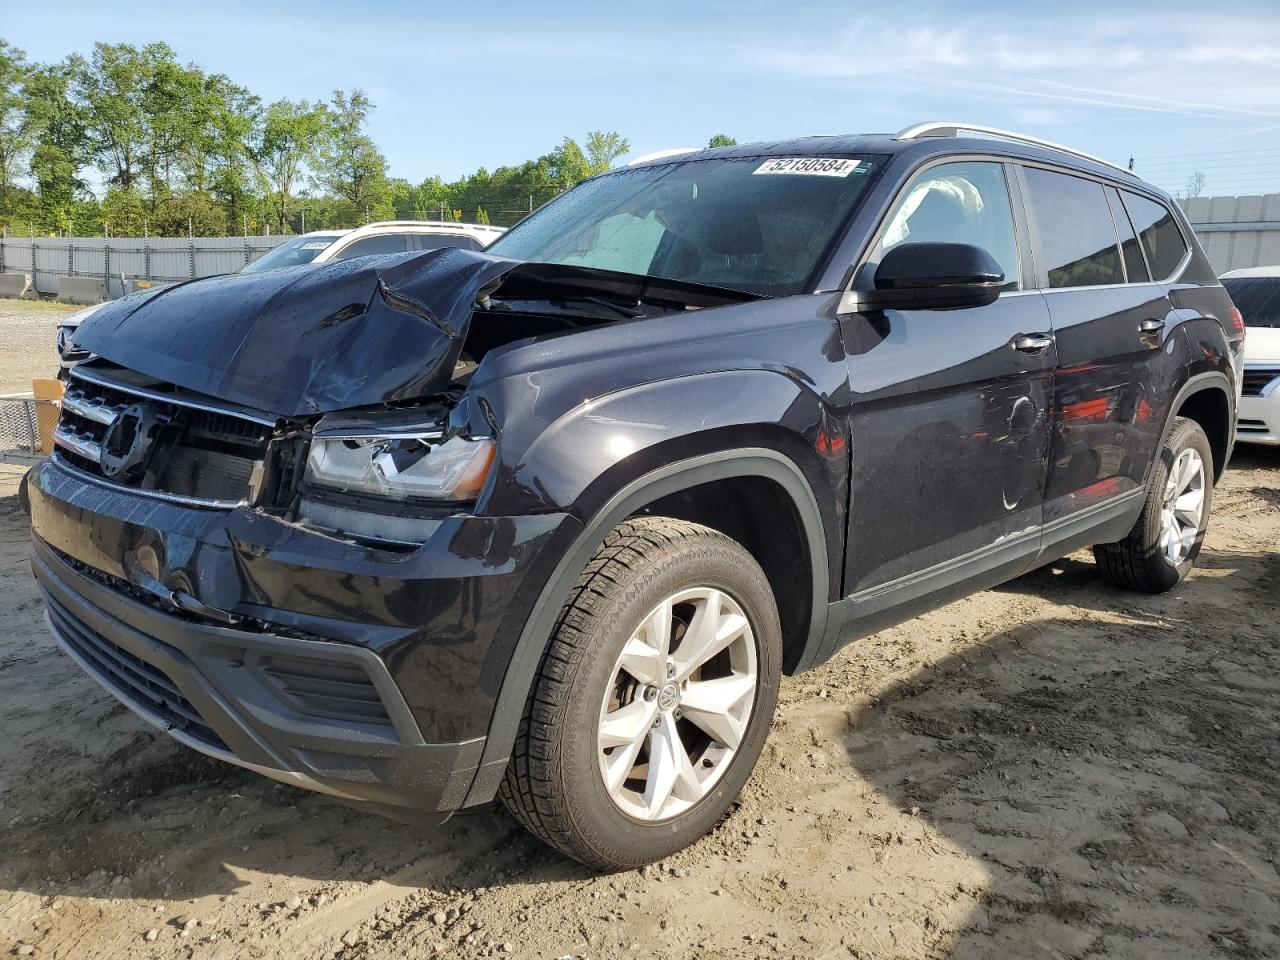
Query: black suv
point(550, 521)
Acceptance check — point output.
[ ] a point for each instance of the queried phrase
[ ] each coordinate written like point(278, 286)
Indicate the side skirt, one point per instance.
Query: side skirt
point(878, 608)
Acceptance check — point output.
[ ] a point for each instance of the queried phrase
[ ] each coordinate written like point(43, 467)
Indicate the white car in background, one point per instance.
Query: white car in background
point(321, 246)
point(1256, 294)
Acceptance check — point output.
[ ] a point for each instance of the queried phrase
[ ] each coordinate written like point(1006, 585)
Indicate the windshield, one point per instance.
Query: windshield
point(754, 224)
point(1257, 299)
point(291, 253)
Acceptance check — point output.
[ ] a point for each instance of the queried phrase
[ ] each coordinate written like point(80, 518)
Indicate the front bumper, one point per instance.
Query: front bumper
point(361, 673)
point(1258, 419)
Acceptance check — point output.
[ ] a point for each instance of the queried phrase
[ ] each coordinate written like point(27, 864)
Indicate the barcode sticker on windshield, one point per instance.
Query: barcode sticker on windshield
point(810, 166)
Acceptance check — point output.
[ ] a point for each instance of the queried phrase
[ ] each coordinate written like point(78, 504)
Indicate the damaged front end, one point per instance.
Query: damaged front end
point(259, 528)
point(215, 393)
point(329, 394)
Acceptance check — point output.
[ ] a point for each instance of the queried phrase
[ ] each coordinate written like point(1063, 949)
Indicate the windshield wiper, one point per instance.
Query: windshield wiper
point(620, 308)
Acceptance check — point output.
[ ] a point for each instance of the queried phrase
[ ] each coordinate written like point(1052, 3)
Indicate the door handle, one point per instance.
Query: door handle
point(1151, 326)
point(1032, 342)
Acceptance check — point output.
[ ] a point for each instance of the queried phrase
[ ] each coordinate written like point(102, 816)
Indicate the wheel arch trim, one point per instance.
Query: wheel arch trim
point(673, 478)
point(1200, 383)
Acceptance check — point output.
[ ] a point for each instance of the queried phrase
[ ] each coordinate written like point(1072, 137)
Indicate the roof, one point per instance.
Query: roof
point(981, 140)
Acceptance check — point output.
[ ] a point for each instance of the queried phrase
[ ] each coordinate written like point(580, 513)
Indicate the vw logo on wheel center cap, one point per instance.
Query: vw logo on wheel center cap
point(668, 695)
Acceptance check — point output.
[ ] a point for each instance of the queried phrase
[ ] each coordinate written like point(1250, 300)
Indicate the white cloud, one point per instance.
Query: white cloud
point(1190, 65)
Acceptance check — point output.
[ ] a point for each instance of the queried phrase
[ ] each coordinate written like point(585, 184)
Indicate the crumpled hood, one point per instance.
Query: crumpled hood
point(308, 339)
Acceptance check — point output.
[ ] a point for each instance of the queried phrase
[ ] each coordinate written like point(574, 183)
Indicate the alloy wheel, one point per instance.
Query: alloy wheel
point(677, 704)
point(1182, 512)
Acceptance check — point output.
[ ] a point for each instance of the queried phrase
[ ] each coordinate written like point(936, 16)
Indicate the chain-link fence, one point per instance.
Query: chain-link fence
point(19, 427)
point(119, 261)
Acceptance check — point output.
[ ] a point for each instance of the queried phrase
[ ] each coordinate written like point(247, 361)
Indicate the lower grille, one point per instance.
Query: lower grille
point(131, 677)
point(1250, 426)
point(329, 690)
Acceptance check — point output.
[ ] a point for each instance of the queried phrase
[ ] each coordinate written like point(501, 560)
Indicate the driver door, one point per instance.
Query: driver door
point(949, 419)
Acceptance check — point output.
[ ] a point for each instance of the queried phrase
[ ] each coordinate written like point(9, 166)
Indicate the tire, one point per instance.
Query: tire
point(24, 493)
point(555, 784)
point(1141, 561)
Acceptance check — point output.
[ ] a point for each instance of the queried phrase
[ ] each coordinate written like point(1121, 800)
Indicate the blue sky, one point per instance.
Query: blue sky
point(462, 85)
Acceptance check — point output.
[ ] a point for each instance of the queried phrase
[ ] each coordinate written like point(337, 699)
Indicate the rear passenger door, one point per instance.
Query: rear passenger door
point(1117, 369)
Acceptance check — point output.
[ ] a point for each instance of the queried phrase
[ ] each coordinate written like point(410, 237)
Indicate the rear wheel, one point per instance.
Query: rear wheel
point(653, 700)
point(1163, 545)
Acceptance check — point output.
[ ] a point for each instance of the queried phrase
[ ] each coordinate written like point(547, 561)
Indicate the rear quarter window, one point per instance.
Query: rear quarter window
point(1161, 238)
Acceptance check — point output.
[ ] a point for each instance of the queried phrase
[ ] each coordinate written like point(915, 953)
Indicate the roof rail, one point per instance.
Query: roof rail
point(949, 128)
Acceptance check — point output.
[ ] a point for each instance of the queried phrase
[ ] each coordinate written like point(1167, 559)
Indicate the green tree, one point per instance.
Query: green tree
point(215, 161)
point(118, 88)
point(482, 215)
point(603, 148)
point(15, 120)
point(566, 164)
point(125, 212)
point(721, 140)
point(62, 146)
point(174, 213)
point(285, 142)
point(349, 165)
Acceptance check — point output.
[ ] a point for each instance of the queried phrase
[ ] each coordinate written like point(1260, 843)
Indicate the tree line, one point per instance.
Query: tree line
point(178, 149)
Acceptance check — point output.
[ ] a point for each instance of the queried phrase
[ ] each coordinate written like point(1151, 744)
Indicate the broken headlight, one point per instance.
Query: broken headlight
point(402, 467)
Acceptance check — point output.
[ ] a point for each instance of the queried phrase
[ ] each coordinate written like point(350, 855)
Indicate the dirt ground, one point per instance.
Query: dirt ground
point(1051, 769)
point(28, 341)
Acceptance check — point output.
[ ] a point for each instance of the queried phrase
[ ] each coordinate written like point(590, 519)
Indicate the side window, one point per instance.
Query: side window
point(1161, 237)
point(1078, 244)
point(368, 246)
point(1134, 264)
point(965, 202)
point(434, 241)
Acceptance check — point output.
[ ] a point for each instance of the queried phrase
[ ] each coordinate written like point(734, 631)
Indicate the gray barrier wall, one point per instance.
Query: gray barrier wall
point(168, 260)
point(1237, 231)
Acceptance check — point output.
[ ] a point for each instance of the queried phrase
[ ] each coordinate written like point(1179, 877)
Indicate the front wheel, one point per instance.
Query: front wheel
point(1163, 545)
point(653, 700)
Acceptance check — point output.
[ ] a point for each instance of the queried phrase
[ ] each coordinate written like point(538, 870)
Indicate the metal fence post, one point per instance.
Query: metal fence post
point(33, 264)
point(4, 235)
point(71, 256)
point(146, 258)
point(106, 267)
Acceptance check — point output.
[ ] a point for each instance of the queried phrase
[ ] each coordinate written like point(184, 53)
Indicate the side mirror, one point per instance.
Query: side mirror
point(932, 276)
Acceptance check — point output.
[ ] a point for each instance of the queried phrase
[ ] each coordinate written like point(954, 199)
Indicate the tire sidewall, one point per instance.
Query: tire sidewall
point(620, 837)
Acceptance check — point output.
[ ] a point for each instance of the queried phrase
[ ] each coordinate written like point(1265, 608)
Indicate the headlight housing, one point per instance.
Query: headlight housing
point(402, 468)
